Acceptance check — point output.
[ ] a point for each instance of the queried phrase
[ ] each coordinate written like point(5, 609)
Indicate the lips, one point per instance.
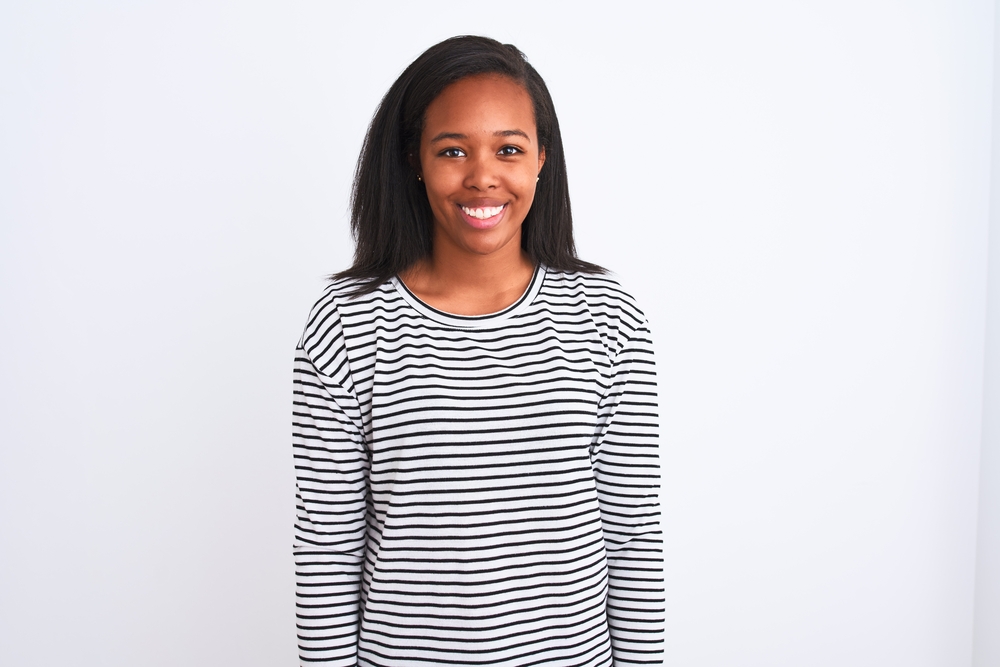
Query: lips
point(483, 217)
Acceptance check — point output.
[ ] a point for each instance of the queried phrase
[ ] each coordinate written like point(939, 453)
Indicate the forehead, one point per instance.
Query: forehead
point(483, 103)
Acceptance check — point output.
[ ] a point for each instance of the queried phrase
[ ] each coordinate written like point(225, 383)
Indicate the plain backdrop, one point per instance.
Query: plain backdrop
point(797, 193)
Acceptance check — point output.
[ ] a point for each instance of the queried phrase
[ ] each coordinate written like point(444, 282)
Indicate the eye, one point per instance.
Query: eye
point(452, 152)
point(508, 151)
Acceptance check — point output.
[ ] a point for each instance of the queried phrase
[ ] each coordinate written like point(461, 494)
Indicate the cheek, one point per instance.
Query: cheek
point(441, 181)
point(436, 190)
point(525, 186)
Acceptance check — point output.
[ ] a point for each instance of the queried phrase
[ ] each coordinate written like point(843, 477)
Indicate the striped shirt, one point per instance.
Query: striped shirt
point(478, 490)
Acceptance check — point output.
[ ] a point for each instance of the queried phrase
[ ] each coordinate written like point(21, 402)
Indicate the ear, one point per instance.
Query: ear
point(541, 159)
point(414, 161)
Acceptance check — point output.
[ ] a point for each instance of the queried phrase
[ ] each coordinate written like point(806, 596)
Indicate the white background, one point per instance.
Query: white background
point(798, 194)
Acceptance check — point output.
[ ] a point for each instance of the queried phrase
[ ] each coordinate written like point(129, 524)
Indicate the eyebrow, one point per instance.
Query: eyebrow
point(498, 133)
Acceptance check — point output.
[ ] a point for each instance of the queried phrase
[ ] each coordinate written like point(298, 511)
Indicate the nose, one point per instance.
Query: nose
point(482, 174)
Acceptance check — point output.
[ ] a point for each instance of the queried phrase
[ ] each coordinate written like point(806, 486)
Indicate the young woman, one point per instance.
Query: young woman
point(475, 407)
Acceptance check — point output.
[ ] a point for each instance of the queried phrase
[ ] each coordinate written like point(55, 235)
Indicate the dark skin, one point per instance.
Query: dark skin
point(479, 160)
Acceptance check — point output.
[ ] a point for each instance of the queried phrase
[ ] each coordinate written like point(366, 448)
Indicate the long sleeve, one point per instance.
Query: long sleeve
point(626, 469)
point(331, 469)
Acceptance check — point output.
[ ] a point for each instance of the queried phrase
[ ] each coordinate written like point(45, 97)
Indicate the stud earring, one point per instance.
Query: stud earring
point(418, 178)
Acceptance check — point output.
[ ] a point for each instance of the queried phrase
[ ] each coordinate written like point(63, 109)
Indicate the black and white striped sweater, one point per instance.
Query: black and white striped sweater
point(478, 490)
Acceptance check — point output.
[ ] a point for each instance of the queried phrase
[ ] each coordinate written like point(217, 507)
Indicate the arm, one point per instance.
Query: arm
point(331, 470)
point(626, 469)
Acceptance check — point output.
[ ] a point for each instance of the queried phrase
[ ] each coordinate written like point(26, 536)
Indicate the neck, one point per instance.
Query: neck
point(462, 283)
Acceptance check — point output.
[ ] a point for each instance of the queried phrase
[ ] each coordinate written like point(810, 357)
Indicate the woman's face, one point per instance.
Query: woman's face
point(479, 159)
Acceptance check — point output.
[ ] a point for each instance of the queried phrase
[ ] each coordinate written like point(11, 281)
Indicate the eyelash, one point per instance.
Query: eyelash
point(451, 152)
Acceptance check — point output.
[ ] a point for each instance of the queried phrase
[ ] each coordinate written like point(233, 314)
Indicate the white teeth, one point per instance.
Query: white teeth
point(482, 213)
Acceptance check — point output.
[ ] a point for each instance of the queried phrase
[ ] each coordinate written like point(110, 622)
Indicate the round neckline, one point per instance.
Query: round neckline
point(473, 321)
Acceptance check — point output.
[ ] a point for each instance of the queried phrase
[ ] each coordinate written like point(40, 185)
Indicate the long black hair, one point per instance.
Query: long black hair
point(391, 219)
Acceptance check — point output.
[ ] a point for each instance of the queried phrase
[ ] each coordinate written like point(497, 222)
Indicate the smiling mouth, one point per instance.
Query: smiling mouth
point(484, 213)
point(483, 217)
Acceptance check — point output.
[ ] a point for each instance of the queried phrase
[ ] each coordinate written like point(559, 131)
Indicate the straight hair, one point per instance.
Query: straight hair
point(391, 218)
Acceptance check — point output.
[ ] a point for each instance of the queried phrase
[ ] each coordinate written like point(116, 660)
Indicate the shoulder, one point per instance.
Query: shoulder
point(334, 314)
point(602, 293)
point(614, 311)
